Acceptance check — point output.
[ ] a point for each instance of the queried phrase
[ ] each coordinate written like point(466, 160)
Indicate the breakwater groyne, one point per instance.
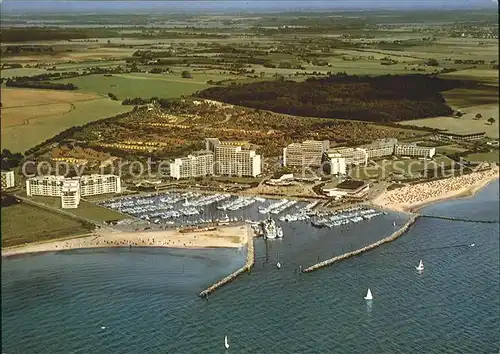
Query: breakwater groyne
point(459, 219)
point(357, 252)
point(250, 260)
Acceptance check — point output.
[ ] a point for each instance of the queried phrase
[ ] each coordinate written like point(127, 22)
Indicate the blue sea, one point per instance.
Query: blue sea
point(145, 300)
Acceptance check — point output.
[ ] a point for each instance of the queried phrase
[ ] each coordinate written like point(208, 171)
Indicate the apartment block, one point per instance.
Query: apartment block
point(334, 164)
point(99, 184)
point(45, 185)
point(199, 164)
point(8, 180)
point(233, 160)
point(352, 156)
point(307, 153)
point(72, 189)
point(380, 148)
point(70, 194)
point(414, 150)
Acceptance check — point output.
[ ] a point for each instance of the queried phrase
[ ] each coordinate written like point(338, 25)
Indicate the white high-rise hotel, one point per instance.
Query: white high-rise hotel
point(72, 189)
point(219, 158)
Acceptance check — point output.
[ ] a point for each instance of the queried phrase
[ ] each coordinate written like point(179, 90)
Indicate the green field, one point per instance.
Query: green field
point(145, 85)
point(492, 156)
point(85, 209)
point(22, 137)
point(22, 223)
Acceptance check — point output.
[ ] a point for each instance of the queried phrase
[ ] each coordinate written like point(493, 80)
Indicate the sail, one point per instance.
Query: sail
point(226, 344)
point(369, 295)
point(421, 264)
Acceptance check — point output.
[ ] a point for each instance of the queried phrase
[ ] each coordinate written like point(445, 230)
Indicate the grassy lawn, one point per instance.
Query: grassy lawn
point(491, 156)
point(449, 149)
point(23, 223)
point(85, 209)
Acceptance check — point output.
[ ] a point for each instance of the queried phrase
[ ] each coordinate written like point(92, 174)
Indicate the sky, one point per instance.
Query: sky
point(158, 6)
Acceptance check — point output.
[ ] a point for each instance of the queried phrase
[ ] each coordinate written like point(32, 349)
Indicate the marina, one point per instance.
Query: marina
point(174, 209)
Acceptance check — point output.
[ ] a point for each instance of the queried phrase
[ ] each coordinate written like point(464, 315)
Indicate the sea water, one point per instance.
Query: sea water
point(145, 300)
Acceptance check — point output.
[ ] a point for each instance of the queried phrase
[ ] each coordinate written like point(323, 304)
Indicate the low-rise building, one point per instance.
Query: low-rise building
point(8, 179)
point(414, 150)
point(307, 153)
point(348, 188)
point(461, 137)
point(199, 164)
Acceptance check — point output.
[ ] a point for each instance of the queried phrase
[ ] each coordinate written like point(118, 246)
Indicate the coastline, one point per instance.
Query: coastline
point(222, 237)
point(411, 199)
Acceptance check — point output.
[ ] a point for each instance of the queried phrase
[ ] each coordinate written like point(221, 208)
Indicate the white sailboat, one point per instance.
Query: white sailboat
point(420, 266)
point(226, 343)
point(369, 295)
point(278, 265)
point(394, 224)
point(472, 245)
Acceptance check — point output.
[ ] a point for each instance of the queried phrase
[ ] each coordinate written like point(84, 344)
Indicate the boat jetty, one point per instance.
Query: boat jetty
point(250, 261)
point(357, 252)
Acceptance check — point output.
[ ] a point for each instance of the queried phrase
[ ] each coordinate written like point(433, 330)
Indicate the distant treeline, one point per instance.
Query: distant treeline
point(382, 98)
point(40, 85)
point(41, 34)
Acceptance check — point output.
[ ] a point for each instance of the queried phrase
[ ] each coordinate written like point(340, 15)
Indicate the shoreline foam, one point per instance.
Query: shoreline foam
point(222, 237)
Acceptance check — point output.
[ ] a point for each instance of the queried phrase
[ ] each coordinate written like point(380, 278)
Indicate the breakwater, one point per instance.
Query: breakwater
point(459, 219)
point(357, 252)
point(250, 260)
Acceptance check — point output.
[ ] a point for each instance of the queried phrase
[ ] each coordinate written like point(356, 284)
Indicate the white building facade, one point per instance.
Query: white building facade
point(334, 164)
point(72, 189)
point(307, 153)
point(414, 150)
point(197, 165)
point(8, 179)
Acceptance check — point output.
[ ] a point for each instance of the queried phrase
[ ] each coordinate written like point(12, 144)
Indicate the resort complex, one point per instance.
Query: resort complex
point(307, 153)
point(72, 189)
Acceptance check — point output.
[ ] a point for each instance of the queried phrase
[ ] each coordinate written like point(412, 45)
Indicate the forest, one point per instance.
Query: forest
point(388, 98)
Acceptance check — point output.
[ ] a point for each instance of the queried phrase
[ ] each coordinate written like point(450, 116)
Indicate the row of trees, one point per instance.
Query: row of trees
point(40, 85)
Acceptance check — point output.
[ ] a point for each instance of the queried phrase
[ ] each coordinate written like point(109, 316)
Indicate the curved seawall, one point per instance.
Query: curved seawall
point(357, 252)
point(250, 260)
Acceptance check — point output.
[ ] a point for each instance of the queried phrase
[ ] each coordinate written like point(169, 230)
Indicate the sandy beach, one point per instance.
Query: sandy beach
point(411, 198)
point(227, 237)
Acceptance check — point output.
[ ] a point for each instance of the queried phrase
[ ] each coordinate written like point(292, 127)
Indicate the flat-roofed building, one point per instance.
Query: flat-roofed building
point(70, 194)
point(307, 153)
point(414, 150)
point(461, 137)
point(349, 188)
point(59, 186)
point(380, 148)
point(352, 156)
point(8, 179)
point(99, 184)
point(233, 160)
point(199, 164)
point(44, 185)
point(334, 164)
